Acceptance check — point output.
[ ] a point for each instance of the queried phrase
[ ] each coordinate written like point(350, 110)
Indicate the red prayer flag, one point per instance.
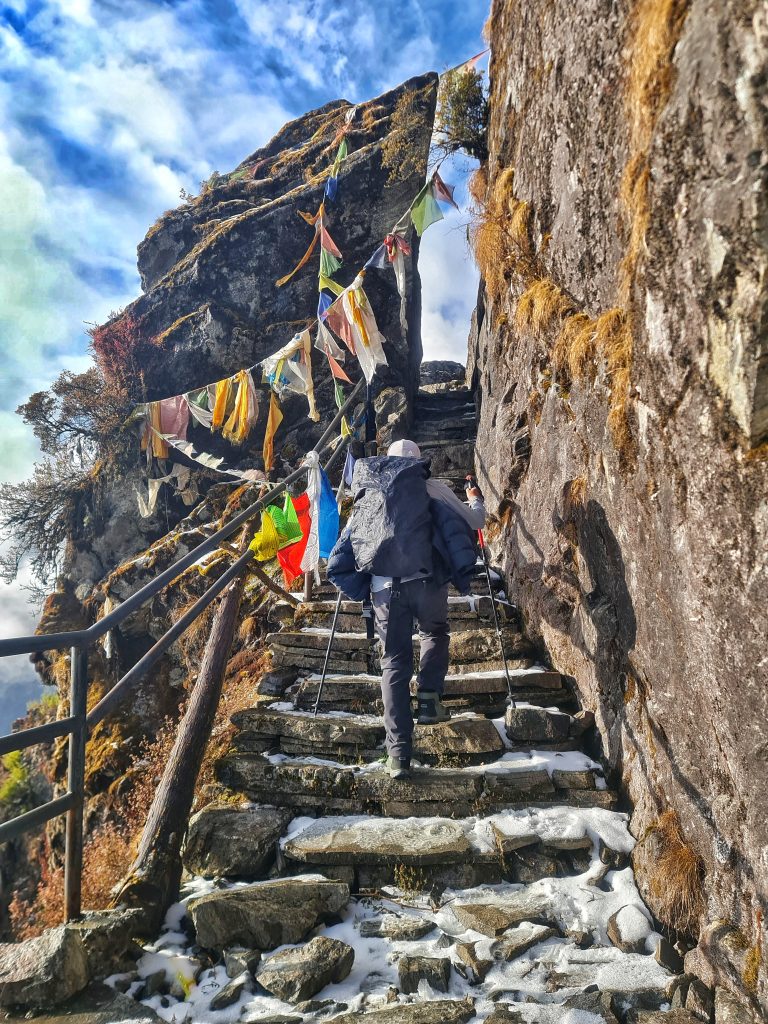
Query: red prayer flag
point(290, 557)
point(336, 370)
point(443, 191)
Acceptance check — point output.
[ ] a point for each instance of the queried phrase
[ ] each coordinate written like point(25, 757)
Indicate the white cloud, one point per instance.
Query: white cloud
point(449, 277)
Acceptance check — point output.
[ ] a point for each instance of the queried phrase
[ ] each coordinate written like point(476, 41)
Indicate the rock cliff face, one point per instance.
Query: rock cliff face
point(619, 352)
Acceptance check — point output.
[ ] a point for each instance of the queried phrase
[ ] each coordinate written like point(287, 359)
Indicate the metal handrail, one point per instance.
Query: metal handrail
point(78, 724)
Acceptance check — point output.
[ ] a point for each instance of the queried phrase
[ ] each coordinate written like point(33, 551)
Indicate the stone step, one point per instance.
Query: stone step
point(478, 585)
point(463, 613)
point(482, 692)
point(472, 649)
point(352, 739)
point(328, 787)
point(369, 852)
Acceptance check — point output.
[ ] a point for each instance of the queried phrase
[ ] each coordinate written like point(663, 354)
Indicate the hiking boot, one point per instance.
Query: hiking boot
point(399, 767)
point(431, 708)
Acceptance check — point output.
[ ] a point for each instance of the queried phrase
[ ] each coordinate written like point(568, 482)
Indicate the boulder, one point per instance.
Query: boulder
point(97, 1004)
point(108, 938)
point(729, 1010)
point(536, 725)
point(43, 972)
point(599, 1004)
point(228, 841)
point(294, 975)
point(441, 371)
point(436, 1011)
point(411, 970)
point(266, 914)
point(628, 929)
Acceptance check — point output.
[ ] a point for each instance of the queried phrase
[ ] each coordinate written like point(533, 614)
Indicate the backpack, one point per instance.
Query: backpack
point(391, 527)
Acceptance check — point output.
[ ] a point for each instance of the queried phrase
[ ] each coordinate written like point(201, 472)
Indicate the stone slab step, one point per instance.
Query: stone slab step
point(482, 692)
point(478, 585)
point(467, 645)
point(369, 851)
point(463, 614)
point(323, 787)
point(435, 1011)
point(354, 738)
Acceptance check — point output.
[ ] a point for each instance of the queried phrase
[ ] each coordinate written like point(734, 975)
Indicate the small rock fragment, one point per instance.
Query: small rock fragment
point(154, 984)
point(471, 967)
point(628, 930)
point(230, 993)
point(295, 975)
point(436, 971)
point(397, 928)
point(516, 941)
point(667, 956)
point(236, 961)
point(699, 1000)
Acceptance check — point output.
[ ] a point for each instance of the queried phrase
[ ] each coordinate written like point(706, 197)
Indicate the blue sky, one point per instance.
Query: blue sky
point(109, 107)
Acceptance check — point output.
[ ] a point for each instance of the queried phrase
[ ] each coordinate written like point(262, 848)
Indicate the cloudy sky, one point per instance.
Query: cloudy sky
point(109, 107)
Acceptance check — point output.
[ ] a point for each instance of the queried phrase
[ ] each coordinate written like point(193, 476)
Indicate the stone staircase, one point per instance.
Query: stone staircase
point(494, 885)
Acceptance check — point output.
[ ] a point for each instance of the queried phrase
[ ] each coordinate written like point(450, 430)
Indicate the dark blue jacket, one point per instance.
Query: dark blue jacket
point(454, 555)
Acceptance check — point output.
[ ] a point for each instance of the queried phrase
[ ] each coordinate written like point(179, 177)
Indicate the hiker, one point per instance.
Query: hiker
point(409, 536)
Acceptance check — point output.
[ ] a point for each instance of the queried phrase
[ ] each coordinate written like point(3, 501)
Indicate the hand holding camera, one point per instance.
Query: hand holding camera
point(471, 488)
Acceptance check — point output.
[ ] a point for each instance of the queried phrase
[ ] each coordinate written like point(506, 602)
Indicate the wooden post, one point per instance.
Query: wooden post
point(73, 856)
point(154, 877)
point(307, 586)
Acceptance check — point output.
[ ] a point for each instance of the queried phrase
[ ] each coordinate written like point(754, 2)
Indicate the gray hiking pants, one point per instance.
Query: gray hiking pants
point(427, 603)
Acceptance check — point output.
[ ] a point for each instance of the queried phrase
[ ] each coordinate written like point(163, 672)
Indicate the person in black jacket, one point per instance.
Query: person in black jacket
point(421, 596)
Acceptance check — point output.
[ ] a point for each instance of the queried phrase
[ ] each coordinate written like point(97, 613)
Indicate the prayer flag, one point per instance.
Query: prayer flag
point(273, 422)
point(425, 210)
point(329, 264)
point(444, 191)
point(290, 557)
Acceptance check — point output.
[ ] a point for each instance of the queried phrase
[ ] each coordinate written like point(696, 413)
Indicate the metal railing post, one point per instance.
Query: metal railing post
point(73, 860)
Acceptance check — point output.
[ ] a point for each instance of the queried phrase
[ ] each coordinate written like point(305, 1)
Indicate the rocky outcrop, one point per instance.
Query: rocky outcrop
point(208, 268)
point(618, 350)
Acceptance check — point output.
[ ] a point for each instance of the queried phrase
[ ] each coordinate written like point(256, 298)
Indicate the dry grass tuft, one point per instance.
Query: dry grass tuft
point(500, 233)
point(576, 494)
point(520, 224)
point(655, 30)
point(678, 879)
point(574, 347)
point(540, 305)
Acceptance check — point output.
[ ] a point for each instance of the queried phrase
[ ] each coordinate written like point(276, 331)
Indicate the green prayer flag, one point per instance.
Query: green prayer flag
point(286, 523)
point(343, 150)
point(338, 394)
point(199, 398)
point(425, 210)
point(329, 263)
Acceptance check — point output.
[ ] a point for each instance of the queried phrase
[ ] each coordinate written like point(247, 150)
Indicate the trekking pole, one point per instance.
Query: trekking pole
point(481, 541)
point(327, 654)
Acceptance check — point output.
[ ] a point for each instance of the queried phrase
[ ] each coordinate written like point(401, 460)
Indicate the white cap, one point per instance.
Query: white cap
point(405, 448)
